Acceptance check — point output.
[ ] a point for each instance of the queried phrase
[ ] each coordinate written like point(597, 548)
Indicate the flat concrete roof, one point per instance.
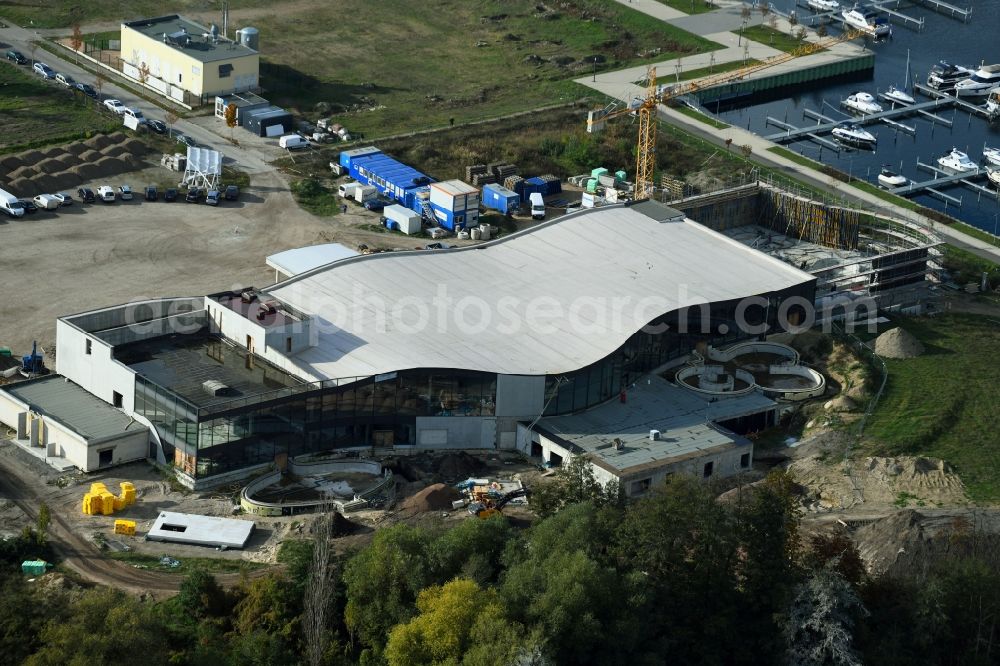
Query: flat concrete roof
point(72, 406)
point(683, 418)
point(200, 530)
point(198, 46)
point(304, 259)
point(539, 302)
point(183, 363)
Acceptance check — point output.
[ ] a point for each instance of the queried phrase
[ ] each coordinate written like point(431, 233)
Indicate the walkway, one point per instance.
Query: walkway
point(625, 85)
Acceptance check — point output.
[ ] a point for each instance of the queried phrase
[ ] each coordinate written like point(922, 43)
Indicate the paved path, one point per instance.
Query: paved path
point(624, 85)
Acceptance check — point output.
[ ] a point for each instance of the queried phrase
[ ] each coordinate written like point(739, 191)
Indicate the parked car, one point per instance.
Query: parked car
point(43, 70)
point(151, 193)
point(170, 194)
point(16, 57)
point(86, 195)
point(65, 199)
point(375, 204)
point(65, 79)
point(115, 106)
point(86, 90)
point(134, 113)
point(212, 198)
point(232, 193)
point(157, 126)
point(29, 206)
point(106, 193)
point(194, 195)
point(186, 140)
point(125, 192)
point(47, 202)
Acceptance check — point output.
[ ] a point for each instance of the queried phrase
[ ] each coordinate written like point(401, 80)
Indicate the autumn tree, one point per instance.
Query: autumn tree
point(171, 117)
point(76, 40)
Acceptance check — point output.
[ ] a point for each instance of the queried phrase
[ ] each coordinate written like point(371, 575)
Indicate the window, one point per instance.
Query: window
point(288, 345)
point(105, 458)
point(745, 460)
point(180, 78)
point(116, 399)
point(249, 343)
point(708, 470)
point(89, 343)
point(225, 71)
point(639, 487)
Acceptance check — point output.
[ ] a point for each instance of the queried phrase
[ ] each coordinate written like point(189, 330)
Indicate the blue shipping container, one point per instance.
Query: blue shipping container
point(500, 198)
point(393, 179)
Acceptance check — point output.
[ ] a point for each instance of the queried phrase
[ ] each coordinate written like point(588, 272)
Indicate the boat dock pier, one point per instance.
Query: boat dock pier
point(837, 16)
point(826, 143)
point(934, 118)
point(952, 99)
point(942, 177)
point(901, 111)
point(945, 8)
point(903, 19)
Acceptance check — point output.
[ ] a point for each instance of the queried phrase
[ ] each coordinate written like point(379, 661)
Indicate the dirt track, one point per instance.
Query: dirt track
point(80, 555)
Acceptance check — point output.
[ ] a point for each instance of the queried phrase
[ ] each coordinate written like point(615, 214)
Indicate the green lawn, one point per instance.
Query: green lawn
point(37, 113)
point(65, 14)
point(691, 6)
point(765, 34)
point(315, 198)
point(387, 67)
point(943, 403)
point(701, 117)
point(706, 71)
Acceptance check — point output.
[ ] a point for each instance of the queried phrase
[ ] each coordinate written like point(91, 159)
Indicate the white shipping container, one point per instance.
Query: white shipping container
point(347, 190)
point(408, 221)
point(365, 193)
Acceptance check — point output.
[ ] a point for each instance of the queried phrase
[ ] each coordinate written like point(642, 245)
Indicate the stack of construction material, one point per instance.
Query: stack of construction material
point(481, 179)
point(492, 167)
point(553, 185)
point(128, 492)
point(126, 527)
point(504, 170)
point(101, 501)
point(473, 170)
point(513, 183)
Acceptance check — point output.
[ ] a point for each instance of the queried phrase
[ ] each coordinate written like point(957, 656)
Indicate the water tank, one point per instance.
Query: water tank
point(250, 38)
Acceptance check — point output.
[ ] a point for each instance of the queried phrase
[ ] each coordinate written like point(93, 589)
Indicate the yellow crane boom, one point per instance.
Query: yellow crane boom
point(646, 108)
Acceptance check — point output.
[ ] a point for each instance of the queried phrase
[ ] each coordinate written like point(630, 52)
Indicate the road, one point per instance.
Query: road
point(82, 556)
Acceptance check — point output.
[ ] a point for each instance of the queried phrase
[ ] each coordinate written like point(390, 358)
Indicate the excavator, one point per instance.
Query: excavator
point(485, 506)
point(645, 108)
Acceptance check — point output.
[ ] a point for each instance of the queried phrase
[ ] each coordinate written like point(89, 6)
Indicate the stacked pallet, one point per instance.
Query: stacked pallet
point(473, 170)
point(483, 179)
point(513, 183)
point(505, 170)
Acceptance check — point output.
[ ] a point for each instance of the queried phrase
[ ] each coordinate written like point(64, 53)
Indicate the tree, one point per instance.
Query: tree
point(201, 595)
point(171, 117)
point(572, 483)
point(821, 620)
point(143, 73)
point(457, 623)
point(822, 30)
point(76, 40)
point(801, 33)
point(99, 80)
point(746, 12)
point(44, 517)
point(836, 552)
point(747, 150)
point(231, 117)
point(266, 605)
point(319, 591)
point(765, 9)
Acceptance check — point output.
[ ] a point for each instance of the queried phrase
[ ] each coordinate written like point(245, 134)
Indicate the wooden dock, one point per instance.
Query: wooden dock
point(901, 18)
point(826, 143)
point(952, 99)
point(945, 8)
point(902, 111)
point(942, 177)
point(926, 114)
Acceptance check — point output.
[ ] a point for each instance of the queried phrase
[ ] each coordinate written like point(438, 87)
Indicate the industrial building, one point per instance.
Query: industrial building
point(409, 350)
point(187, 62)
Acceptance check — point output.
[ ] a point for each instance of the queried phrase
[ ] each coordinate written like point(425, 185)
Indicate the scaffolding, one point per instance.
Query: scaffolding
point(808, 220)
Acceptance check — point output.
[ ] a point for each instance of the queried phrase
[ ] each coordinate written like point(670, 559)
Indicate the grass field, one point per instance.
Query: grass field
point(701, 117)
point(764, 34)
point(312, 196)
point(690, 6)
point(64, 14)
point(943, 403)
point(382, 68)
point(708, 71)
point(210, 564)
point(37, 113)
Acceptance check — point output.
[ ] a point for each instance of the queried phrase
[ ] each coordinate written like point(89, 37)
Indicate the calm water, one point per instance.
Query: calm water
point(944, 38)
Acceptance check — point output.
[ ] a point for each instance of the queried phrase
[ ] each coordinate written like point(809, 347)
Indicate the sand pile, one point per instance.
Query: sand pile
point(437, 497)
point(897, 343)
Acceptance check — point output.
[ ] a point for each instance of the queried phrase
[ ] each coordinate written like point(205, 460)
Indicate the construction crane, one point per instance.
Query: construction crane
point(645, 108)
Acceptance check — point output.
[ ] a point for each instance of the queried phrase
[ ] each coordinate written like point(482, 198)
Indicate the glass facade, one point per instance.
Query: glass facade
point(371, 411)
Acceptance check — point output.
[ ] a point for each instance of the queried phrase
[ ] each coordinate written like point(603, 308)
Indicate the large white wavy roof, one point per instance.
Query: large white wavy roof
point(548, 300)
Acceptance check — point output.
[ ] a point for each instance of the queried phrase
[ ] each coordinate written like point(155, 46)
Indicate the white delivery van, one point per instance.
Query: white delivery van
point(365, 193)
point(10, 205)
point(537, 206)
point(48, 202)
point(293, 142)
point(346, 190)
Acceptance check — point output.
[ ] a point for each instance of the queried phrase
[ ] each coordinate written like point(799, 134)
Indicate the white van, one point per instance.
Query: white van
point(537, 206)
point(346, 190)
point(48, 202)
point(10, 204)
point(293, 142)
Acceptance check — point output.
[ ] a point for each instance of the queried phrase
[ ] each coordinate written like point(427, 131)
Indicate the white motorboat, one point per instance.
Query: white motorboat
point(867, 21)
point(993, 103)
point(824, 5)
point(944, 76)
point(993, 173)
point(889, 179)
point(957, 162)
point(853, 135)
point(980, 83)
point(862, 103)
point(992, 155)
point(901, 96)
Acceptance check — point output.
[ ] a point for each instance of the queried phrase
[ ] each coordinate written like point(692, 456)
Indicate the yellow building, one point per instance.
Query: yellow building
point(188, 62)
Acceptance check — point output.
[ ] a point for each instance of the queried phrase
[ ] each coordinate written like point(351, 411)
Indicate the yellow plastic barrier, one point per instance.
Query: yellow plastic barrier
point(107, 503)
point(126, 527)
point(128, 492)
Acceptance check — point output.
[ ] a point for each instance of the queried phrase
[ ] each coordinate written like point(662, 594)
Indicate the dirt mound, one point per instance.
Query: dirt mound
point(52, 151)
point(23, 172)
point(30, 157)
point(98, 142)
point(86, 171)
point(65, 180)
point(909, 541)
point(90, 155)
point(437, 497)
point(135, 146)
point(21, 187)
point(842, 403)
point(460, 466)
point(51, 165)
point(114, 150)
point(77, 148)
point(10, 162)
point(131, 162)
point(898, 343)
point(341, 525)
point(876, 482)
point(109, 166)
point(117, 137)
point(43, 184)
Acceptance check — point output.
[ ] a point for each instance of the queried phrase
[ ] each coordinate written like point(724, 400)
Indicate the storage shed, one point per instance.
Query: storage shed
point(500, 198)
point(245, 102)
point(392, 178)
point(401, 218)
point(269, 121)
point(455, 204)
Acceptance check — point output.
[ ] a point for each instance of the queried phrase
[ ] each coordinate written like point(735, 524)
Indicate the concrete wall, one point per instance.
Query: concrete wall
point(268, 343)
point(456, 432)
point(97, 372)
point(519, 398)
point(132, 445)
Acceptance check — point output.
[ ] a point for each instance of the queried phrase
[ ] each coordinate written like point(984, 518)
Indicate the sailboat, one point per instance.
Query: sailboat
point(899, 94)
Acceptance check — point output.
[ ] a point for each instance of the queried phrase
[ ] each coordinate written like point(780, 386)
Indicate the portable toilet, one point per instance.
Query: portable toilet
point(34, 567)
